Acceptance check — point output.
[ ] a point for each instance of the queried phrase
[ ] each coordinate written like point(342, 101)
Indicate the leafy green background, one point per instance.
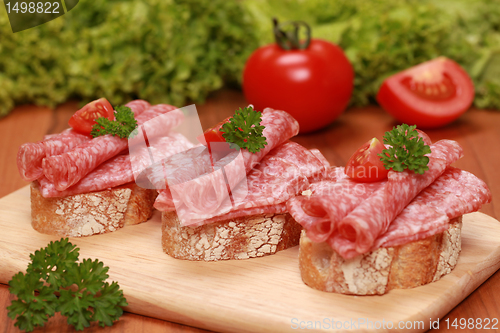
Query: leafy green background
point(177, 51)
point(159, 50)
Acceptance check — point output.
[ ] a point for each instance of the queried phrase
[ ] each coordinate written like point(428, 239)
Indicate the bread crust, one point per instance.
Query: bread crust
point(91, 213)
point(377, 272)
point(239, 238)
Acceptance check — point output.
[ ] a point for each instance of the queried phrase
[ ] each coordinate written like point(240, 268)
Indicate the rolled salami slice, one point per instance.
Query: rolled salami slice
point(453, 194)
point(311, 163)
point(425, 137)
point(272, 182)
point(117, 170)
point(184, 166)
point(30, 155)
point(358, 231)
point(283, 173)
point(328, 204)
point(114, 172)
point(279, 127)
point(138, 106)
point(67, 169)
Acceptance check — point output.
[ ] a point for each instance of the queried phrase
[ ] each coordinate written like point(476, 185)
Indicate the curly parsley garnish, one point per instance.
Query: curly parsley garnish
point(84, 296)
point(244, 130)
point(123, 124)
point(407, 150)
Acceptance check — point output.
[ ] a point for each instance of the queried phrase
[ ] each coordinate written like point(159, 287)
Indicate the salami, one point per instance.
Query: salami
point(280, 175)
point(118, 170)
point(179, 168)
point(358, 231)
point(261, 210)
point(158, 120)
point(324, 161)
point(138, 106)
point(192, 185)
point(164, 201)
point(279, 127)
point(115, 172)
point(158, 148)
point(31, 155)
point(272, 182)
point(311, 163)
point(425, 137)
point(455, 193)
point(69, 168)
point(328, 204)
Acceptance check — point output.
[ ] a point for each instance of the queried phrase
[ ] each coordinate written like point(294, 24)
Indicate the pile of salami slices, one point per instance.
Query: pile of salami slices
point(355, 218)
point(72, 163)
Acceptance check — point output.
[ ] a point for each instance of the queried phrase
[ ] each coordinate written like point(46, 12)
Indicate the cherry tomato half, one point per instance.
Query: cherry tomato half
point(213, 134)
point(84, 119)
point(314, 85)
point(428, 95)
point(364, 165)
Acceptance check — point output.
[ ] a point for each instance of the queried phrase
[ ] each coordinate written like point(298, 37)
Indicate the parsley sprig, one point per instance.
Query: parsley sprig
point(407, 150)
point(123, 124)
point(84, 296)
point(244, 130)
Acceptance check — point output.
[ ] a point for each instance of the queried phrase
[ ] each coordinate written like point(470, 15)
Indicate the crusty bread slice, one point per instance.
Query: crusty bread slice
point(91, 213)
point(377, 272)
point(239, 238)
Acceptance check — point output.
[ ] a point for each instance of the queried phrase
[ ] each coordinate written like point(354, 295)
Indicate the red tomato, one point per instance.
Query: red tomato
point(213, 134)
point(364, 165)
point(83, 119)
point(314, 85)
point(428, 95)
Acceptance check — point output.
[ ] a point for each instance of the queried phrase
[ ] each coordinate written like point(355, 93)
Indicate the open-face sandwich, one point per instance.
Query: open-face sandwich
point(84, 185)
point(396, 231)
point(231, 203)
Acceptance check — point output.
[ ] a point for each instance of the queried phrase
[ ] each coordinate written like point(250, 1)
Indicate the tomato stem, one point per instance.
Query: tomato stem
point(289, 39)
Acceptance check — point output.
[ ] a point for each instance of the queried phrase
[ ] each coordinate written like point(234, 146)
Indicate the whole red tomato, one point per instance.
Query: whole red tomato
point(313, 84)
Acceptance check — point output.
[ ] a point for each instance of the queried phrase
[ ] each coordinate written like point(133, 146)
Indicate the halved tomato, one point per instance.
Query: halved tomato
point(84, 119)
point(364, 165)
point(428, 95)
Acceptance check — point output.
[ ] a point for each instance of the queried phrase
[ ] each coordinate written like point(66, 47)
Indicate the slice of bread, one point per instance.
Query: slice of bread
point(377, 272)
point(239, 238)
point(91, 213)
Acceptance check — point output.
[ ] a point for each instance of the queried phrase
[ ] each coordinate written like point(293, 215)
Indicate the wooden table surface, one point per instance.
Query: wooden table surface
point(478, 131)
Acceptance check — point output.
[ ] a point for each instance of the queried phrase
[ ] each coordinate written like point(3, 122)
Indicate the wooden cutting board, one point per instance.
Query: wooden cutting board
point(256, 295)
